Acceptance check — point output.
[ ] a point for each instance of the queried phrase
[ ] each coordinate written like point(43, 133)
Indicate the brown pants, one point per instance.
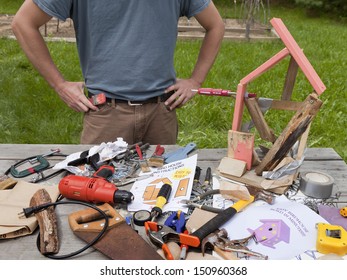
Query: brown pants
point(148, 123)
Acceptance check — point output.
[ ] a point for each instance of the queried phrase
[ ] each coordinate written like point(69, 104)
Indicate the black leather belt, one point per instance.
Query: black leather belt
point(156, 99)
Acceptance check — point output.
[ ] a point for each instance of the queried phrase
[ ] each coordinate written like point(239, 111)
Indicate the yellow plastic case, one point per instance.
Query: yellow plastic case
point(331, 239)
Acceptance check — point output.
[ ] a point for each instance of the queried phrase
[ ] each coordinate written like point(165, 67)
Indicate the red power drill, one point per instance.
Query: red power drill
point(93, 190)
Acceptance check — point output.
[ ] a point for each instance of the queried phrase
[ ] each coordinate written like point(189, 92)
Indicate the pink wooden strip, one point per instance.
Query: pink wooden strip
point(298, 55)
point(238, 109)
point(265, 66)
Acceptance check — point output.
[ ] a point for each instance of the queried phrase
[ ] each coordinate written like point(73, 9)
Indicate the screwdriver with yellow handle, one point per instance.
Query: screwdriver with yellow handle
point(162, 198)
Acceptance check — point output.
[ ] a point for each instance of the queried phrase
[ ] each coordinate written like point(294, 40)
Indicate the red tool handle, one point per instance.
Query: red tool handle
point(138, 150)
point(214, 91)
point(221, 92)
point(159, 150)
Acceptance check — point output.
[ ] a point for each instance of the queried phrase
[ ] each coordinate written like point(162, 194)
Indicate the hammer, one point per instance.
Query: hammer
point(224, 216)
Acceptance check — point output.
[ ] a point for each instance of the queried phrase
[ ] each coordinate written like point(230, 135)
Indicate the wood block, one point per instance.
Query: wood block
point(233, 191)
point(240, 146)
point(232, 166)
point(198, 218)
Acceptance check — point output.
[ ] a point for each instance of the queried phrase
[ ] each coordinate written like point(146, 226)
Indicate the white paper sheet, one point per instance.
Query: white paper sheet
point(179, 174)
point(283, 230)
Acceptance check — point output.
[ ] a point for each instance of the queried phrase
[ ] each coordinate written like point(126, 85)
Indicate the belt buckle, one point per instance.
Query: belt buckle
point(134, 104)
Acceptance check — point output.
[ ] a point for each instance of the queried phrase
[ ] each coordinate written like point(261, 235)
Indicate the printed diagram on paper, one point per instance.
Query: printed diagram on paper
point(283, 230)
point(179, 174)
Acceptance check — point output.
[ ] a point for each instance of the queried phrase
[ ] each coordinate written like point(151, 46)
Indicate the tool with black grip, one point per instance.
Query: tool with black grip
point(208, 179)
point(105, 172)
point(221, 218)
point(162, 198)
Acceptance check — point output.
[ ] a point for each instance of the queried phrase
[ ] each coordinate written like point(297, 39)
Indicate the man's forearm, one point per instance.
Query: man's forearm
point(211, 20)
point(37, 52)
point(208, 53)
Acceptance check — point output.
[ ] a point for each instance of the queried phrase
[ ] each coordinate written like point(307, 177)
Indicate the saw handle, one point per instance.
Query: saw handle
point(221, 218)
point(90, 220)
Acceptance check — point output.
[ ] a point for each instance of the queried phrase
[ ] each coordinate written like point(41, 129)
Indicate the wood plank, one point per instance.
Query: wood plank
point(295, 128)
point(298, 55)
point(265, 132)
point(286, 105)
point(290, 79)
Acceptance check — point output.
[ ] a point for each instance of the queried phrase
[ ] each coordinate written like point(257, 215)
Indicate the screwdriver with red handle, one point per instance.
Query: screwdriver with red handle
point(220, 92)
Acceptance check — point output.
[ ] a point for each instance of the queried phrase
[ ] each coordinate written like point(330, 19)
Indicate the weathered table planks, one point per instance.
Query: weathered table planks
point(318, 159)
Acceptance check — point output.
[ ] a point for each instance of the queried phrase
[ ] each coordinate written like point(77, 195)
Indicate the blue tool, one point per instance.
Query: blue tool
point(179, 154)
point(176, 221)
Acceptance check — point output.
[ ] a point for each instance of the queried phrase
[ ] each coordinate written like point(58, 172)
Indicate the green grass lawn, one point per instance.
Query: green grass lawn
point(30, 112)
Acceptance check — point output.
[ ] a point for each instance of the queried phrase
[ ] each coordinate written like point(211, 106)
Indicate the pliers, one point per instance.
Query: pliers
point(160, 235)
point(193, 202)
point(177, 221)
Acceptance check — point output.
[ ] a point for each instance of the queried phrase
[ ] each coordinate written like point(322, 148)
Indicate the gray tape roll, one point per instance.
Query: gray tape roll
point(316, 184)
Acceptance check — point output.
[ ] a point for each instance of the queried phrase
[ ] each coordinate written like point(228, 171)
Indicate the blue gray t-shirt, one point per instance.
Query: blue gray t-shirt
point(126, 47)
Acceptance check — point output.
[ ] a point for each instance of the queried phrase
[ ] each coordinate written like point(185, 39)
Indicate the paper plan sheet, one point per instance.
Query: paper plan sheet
point(179, 174)
point(283, 230)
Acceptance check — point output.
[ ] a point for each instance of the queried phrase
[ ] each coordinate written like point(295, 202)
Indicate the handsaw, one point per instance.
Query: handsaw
point(120, 241)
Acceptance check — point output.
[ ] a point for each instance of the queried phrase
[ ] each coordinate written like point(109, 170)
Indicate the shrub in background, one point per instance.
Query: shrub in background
point(317, 7)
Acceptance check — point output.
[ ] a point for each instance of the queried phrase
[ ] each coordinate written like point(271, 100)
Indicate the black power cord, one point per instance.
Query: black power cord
point(27, 212)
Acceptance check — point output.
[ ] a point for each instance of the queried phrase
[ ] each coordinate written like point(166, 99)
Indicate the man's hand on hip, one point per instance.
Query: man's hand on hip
point(72, 93)
point(183, 92)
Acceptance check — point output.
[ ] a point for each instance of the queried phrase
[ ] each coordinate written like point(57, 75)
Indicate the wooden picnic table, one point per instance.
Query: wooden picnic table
point(318, 159)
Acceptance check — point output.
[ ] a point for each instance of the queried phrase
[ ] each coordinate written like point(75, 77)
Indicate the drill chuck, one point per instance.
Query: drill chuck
point(121, 196)
point(92, 190)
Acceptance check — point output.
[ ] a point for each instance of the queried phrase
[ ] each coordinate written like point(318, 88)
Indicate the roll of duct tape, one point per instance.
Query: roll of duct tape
point(316, 184)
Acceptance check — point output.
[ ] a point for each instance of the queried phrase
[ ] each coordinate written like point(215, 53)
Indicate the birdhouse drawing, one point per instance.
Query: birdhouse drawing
point(271, 232)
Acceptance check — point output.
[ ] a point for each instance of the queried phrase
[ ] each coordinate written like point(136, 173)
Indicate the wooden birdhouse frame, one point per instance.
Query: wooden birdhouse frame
point(298, 126)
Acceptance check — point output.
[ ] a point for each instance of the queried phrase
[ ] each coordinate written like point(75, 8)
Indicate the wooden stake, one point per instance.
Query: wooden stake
point(47, 220)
